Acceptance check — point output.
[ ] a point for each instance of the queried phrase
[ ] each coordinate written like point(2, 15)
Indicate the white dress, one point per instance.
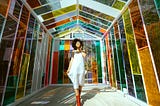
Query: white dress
point(77, 72)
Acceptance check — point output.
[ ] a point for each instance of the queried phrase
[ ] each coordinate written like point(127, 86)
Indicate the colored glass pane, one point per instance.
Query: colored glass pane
point(6, 46)
point(33, 3)
point(98, 54)
point(157, 3)
point(96, 13)
point(59, 12)
point(140, 88)
point(61, 62)
point(59, 18)
point(126, 58)
point(4, 7)
point(119, 57)
point(118, 4)
point(132, 52)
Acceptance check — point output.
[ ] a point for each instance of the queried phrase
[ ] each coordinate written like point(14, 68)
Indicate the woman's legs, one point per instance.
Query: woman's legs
point(76, 92)
point(80, 90)
point(78, 101)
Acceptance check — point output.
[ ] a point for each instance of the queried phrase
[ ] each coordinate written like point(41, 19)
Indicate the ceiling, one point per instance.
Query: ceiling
point(62, 17)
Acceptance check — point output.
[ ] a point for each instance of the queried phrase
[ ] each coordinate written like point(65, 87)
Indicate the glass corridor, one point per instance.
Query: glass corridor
point(122, 38)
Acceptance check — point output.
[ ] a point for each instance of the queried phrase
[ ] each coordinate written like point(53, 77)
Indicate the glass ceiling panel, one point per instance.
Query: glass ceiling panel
point(96, 13)
point(33, 3)
point(118, 5)
point(96, 23)
point(47, 8)
point(69, 26)
point(93, 15)
point(90, 27)
point(59, 12)
point(106, 2)
point(83, 35)
point(62, 17)
point(61, 34)
point(72, 24)
point(94, 18)
point(48, 1)
point(66, 26)
point(52, 25)
point(61, 22)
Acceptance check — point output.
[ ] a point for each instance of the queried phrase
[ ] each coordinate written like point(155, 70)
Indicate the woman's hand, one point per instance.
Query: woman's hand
point(67, 71)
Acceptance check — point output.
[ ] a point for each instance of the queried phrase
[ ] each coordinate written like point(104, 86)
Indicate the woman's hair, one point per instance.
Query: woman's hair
point(74, 43)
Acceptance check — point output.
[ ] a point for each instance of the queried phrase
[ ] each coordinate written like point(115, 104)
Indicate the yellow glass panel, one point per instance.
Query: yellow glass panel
point(118, 4)
point(59, 12)
point(67, 45)
point(149, 77)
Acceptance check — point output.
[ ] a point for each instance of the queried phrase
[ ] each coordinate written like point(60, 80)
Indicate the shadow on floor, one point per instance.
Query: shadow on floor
point(60, 96)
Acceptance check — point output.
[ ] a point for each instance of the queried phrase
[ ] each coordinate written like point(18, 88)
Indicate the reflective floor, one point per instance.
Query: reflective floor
point(91, 96)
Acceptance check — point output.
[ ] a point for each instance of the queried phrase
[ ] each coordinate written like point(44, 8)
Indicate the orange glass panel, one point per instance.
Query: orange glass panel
point(102, 30)
point(84, 19)
point(33, 3)
point(61, 22)
point(67, 45)
point(4, 7)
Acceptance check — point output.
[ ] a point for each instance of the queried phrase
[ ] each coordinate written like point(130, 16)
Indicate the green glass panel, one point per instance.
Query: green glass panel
point(89, 25)
point(43, 9)
point(61, 62)
point(106, 2)
point(157, 2)
point(98, 53)
point(139, 88)
point(132, 52)
point(120, 64)
point(118, 4)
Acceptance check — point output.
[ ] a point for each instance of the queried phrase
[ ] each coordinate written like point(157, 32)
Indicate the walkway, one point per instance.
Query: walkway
point(91, 96)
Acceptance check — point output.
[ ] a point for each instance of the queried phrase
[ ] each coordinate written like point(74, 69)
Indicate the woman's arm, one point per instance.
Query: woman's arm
point(70, 64)
point(84, 53)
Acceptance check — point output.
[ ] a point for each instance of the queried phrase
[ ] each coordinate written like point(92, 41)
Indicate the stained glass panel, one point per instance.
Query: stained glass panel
point(152, 23)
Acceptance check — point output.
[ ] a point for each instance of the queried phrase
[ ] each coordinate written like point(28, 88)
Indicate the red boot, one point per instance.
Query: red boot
point(78, 101)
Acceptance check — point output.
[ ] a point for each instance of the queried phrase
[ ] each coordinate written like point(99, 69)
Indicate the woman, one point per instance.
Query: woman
point(76, 70)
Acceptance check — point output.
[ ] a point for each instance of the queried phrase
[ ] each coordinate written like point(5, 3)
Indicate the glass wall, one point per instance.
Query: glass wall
point(134, 40)
point(23, 55)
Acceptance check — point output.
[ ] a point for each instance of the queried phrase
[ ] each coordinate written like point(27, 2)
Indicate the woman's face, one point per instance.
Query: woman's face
point(78, 44)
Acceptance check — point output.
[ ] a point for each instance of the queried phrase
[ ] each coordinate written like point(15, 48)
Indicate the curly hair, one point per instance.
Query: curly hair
point(74, 43)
